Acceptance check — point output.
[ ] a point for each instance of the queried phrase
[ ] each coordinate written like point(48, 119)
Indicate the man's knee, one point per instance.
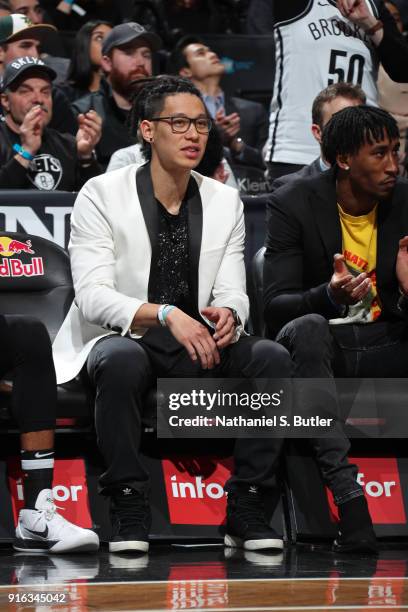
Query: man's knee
point(272, 359)
point(307, 337)
point(30, 336)
point(118, 361)
point(309, 328)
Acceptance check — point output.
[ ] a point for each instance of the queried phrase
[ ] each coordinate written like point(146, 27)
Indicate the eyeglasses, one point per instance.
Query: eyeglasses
point(180, 125)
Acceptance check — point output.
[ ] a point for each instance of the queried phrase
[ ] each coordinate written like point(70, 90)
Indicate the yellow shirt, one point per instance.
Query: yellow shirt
point(359, 237)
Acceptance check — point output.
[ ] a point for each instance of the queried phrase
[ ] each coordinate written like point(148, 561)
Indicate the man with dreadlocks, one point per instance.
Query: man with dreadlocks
point(336, 279)
point(157, 255)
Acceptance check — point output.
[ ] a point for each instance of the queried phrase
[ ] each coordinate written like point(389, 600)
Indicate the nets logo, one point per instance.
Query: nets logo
point(196, 499)
point(380, 479)
point(13, 267)
point(69, 488)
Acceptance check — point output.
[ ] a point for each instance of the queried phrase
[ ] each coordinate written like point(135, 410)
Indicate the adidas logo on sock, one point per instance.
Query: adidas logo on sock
point(127, 491)
point(253, 489)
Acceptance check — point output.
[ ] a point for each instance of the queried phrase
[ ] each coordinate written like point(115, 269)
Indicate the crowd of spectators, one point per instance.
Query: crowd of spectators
point(99, 55)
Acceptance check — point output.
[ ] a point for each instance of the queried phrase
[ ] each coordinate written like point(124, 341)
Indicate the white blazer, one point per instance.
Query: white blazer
point(111, 254)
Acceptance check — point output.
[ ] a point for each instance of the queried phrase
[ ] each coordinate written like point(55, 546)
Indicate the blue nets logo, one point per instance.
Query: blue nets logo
point(232, 66)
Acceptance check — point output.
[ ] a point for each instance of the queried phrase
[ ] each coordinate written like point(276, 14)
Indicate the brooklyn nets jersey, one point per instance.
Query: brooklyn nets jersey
point(315, 48)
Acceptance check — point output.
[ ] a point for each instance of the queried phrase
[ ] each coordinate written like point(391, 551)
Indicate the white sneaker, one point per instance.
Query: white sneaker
point(44, 530)
point(40, 568)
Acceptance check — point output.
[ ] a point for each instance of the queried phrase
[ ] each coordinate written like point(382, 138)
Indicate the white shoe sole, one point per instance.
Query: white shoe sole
point(88, 543)
point(271, 543)
point(129, 545)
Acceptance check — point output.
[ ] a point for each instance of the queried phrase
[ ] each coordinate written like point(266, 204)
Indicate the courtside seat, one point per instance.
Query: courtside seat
point(35, 280)
point(358, 403)
point(255, 290)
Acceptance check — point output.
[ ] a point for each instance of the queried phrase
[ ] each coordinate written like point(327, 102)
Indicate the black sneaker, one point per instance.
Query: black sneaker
point(131, 520)
point(246, 523)
point(356, 533)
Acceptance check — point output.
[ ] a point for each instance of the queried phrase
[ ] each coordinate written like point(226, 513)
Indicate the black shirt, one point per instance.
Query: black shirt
point(55, 166)
point(115, 131)
point(172, 276)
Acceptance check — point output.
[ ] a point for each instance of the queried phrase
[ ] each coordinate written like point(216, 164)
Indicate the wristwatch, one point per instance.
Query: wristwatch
point(235, 315)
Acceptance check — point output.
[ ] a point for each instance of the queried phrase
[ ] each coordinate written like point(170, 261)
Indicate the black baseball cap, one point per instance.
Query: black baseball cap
point(18, 67)
point(128, 32)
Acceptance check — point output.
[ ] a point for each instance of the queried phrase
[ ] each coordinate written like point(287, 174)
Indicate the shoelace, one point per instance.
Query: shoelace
point(51, 509)
point(131, 511)
point(250, 508)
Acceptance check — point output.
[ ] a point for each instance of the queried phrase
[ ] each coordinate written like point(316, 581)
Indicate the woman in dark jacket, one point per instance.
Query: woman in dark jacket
point(84, 73)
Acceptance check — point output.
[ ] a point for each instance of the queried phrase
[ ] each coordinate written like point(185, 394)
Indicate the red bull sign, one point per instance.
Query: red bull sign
point(11, 266)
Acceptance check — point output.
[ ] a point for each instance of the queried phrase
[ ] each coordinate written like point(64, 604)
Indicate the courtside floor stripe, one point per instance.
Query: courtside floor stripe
point(207, 580)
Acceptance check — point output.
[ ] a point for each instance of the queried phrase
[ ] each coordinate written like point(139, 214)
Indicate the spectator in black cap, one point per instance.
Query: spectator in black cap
point(33, 155)
point(126, 58)
point(19, 37)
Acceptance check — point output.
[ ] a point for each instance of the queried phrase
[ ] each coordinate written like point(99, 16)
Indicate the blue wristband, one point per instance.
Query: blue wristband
point(166, 311)
point(69, 1)
point(25, 154)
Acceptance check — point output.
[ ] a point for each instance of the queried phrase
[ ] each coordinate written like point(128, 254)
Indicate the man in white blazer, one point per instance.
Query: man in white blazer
point(157, 258)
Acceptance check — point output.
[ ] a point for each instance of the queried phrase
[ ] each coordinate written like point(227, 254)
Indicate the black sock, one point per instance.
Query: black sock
point(38, 468)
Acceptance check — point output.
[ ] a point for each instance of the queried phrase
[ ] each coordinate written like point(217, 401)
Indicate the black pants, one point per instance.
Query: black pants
point(123, 369)
point(320, 350)
point(26, 353)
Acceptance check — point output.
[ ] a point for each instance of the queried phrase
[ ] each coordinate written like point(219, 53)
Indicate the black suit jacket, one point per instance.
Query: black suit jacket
point(304, 233)
point(254, 125)
point(313, 169)
point(254, 120)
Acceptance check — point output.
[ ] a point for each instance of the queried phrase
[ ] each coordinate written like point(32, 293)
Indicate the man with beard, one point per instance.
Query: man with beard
point(126, 58)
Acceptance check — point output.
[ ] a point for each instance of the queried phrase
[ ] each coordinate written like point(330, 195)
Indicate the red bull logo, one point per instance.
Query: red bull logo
point(10, 266)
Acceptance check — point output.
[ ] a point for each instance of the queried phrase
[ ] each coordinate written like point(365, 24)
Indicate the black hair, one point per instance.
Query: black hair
point(213, 155)
point(150, 99)
point(177, 59)
point(333, 91)
point(353, 127)
point(81, 68)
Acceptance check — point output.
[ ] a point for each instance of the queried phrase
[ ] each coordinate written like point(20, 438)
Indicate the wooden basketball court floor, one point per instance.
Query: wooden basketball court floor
point(207, 577)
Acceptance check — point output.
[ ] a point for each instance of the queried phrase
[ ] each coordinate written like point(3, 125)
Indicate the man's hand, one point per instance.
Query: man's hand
point(357, 12)
point(229, 125)
point(31, 129)
point(402, 265)
point(89, 133)
point(195, 338)
point(225, 325)
point(344, 287)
